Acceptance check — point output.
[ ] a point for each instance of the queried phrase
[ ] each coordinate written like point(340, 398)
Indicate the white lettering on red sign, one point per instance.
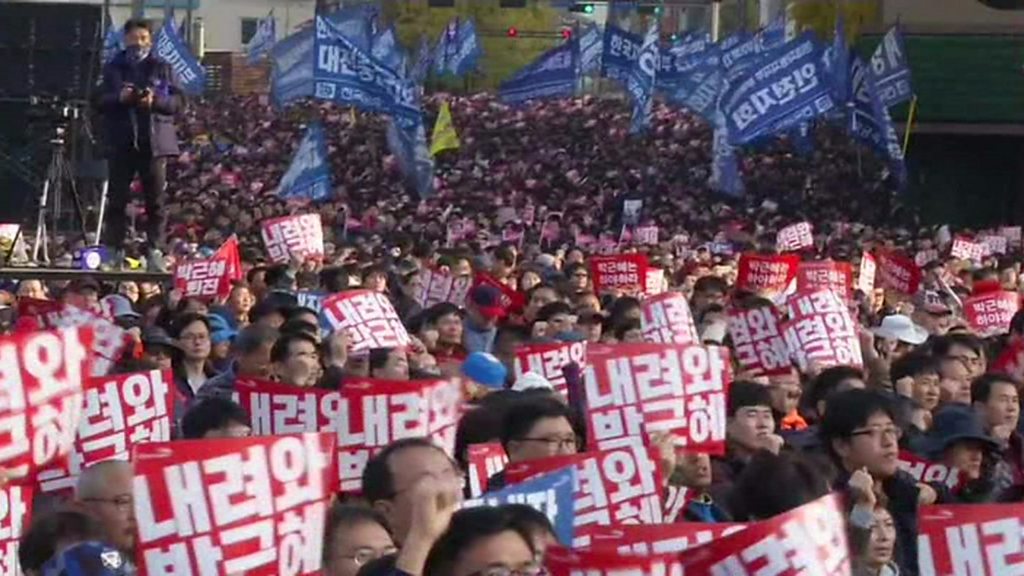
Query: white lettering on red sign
point(821, 330)
point(369, 319)
point(443, 287)
point(971, 539)
point(300, 236)
point(795, 237)
point(757, 341)
point(15, 514)
point(666, 319)
point(550, 360)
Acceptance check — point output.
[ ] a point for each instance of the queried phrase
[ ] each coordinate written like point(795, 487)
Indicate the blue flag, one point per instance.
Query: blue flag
point(445, 48)
point(551, 494)
point(263, 40)
point(357, 23)
point(591, 45)
point(642, 78)
point(725, 170)
point(113, 40)
point(291, 78)
point(423, 61)
point(792, 86)
point(700, 93)
point(774, 34)
point(731, 42)
point(870, 121)
point(839, 60)
point(552, 75)
point(460, 53)
point(409, 145)
point(172, 49)
point(346, 74)
point(309, 175)
point(386, 49)
point(678, 61)
point(892, 69)
point(619, 53)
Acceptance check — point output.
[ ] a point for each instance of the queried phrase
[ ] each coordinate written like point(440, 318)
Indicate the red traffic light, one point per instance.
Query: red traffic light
point(512, 32)
point(567, 33)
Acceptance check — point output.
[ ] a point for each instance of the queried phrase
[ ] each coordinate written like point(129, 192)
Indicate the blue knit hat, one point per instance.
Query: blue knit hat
point(485, 369)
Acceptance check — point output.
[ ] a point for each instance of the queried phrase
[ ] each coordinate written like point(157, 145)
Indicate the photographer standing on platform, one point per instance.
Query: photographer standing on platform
point(139, 100)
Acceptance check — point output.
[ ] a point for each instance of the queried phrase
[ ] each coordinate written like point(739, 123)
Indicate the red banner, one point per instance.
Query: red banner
point(897, 272)
point(300, 236)
point(966, 249)
point(666, 319)
point(366, 415)
point(766, 275)
point(485, 460)
point(633, 390)
point(923, 257)
point(15, 516)
point(41, 396)
point(866, 274)
point(820, 330)
point(443, 287)
point(660, 538)
point(563, 562)
point(211, 277)
point(989, 314)
point(626, 272)
point(795, 237)
point(549, 360)
point(118, 413)
point(825, 275)
point(253, 506)
point(108, 339)
point(757, 341)
point(512, 300)
point(810, 539)
point(369, 319)
point(970, 539)
point(927, 471)
point(612, 486)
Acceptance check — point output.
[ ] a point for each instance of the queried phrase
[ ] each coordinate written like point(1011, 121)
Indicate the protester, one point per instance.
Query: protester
point(482, 540)
point(215, 417)
point(354, 537)
point(105, 492)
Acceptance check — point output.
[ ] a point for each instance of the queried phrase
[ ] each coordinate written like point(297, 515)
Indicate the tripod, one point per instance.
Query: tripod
point(58, 175)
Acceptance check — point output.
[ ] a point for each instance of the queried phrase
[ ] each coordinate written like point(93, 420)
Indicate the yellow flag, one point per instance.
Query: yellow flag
point(445, 136)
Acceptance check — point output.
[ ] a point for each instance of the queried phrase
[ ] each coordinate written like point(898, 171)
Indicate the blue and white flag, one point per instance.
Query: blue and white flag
point(357, 23)
point(172, 49)
point(731, 42)
point(424, 59)
point(409, 145)
point(309, 175)
point(892, 69)
point(839, 60)
point(113, 40)
point(701, 92)
point(725, 168)
point(774, 34)
point(552, 75)
point(678, 61)
point(641, 81)
point(792, 86)
point(263, 40)
point(591, 45)
point(869, 118)
point(344, 73)
point(445, 48)
point(550, 494)
point(386, 49)
point(460, 54)
point(291, 78)
point(620, 50)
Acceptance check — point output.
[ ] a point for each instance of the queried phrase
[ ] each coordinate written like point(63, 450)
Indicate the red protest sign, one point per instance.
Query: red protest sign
point(970, 539)
point(810, 539)
point(15, 516)
point(923, 257)
point(866, 273)
point(41, 396)
point(118, 413)
point(766, 275)
point(757, 341)
point(549, 360)
point(654, 282)
point(795, 237)
point(666, 319)
point(989, 314)
point(369, 319)
point(627, 272)
point(820, 330)
point(254, 506)
point(300, 236)
point(513, 301)
point(993, 244)
point(229, 179)
point(366, 415)
point(443, 287)
point(622, 485)
point(564, 562)
point(825, 275)
point(211, 277)
point(108, 339)
point(966, 249)
point(660, 538)
point(927, 471)
point(485, 460)
point(897, 272)
point(634, 390)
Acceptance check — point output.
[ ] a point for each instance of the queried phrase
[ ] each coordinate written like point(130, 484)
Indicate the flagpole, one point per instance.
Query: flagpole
point(910, 123)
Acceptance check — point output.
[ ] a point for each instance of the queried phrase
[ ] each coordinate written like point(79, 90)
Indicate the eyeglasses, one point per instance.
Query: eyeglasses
point(879, 433)
point(554, 443)
point(531, 570)
point(123, 503)
point(364, 556)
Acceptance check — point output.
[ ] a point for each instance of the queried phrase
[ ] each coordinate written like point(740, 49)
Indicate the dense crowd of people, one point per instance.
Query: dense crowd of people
point(928, 385)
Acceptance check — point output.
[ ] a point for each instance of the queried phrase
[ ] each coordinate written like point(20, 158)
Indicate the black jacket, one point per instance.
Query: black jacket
point(128, 126)
point(902, 492)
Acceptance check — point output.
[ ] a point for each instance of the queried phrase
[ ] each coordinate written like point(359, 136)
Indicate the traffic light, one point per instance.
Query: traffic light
point(566, 32)
point(582, 7)
point(512, 32)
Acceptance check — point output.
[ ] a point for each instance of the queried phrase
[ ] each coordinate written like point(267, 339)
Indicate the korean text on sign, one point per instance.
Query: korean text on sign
point(820, 330)
point(300, 236)
point(368, 318)
point(795, 237)
point(927, 471)
point(993, 244)
point(200, 278)
point(810, 539)
point(616, 486)
point(647, 235)
point(757, 341)
point(828, 275)
point(108, 339)
point(989, 314)
point(967, 249)
point(254, 506)
point(898, 272)
point(41, 396)
point(15, 511)
point(660, 538)
point(605, 562)
point(666, 319)
point(619, 272)
point(118, 413)
point(549, 360)
point(866, 273)
point(634, 390)
point(443, 287)
point(970, 539)
point(767, 275)
point(550, 494)
point(485, 460)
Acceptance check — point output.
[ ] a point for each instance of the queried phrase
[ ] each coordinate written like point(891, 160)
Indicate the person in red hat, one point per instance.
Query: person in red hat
point(483, 310)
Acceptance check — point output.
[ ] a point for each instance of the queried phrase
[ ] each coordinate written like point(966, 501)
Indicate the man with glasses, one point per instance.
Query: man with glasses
point(536, 428)
point(963, 348)
point(104, 491)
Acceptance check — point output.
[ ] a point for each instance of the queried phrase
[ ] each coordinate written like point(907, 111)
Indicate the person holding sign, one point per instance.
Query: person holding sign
point(534, 429)
point(484, 541)
point(354, 537)
point(996, 399)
